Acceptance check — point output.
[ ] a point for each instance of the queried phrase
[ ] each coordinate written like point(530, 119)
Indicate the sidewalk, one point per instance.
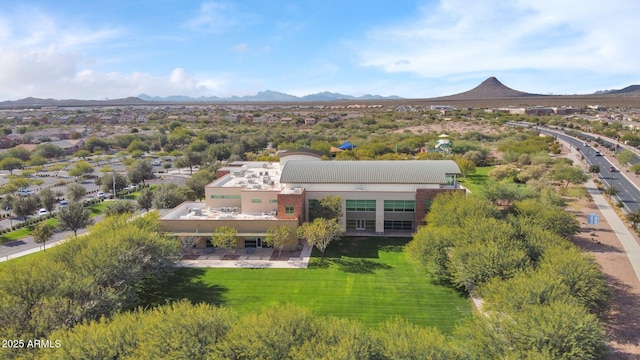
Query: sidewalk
point(258, 258)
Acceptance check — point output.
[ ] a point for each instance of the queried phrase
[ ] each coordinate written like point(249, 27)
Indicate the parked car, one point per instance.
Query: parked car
point(156, 163)
point(43, 211)
point(63, 203)
point(101, 195)
point(26, 192)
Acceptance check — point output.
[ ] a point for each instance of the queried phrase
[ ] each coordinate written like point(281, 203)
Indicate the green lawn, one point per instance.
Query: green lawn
point(475, 182)
point(23, 232)
point(369, 279)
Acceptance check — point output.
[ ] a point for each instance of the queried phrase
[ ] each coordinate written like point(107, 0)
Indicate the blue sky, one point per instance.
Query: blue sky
point(415, 49)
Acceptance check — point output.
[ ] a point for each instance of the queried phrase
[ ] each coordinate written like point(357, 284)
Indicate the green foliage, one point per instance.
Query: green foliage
point(556, 331)
point(83, 279)
point(81, 168)
point(48, 199)
point(328, 207)
point(140, 171)
point(452, 208)
point(581, 274)
point(42, 232)
point(568, 173)
point(168, 196)
point(625, 157)
point(10, 164)
point(198, 181)
point(547, 216)
point(401, 340)
point(504, 172)
point(145, 199)
point(320, 233)
point(73, 217)
point(225, 237)
point(278, 236)
point(24, 206)
point(75, 192)
point(119, 207)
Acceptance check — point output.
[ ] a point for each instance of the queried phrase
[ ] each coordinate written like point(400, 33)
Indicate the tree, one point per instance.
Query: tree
point(145, 199)
point(168, 196)
point(140, 171)
point(225, 237)
point(48, 199)
point(75, 192)
point(189, 159)
point(106, 182)
point(82, 153)
point(119, 207)
point(48, 150)
point(568, 173)
point(81, 168)
point(24, 206)
point(198, 181)
point(328, 207)
point(625, 157)
point(594, 169)
point(10, 164)
point(278, 237)
point(73, 217)
point(466, 166)
point(41, 233)
point(320, 233)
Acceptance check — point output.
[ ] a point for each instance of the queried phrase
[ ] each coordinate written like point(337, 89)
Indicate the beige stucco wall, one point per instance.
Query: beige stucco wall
point(251, 207)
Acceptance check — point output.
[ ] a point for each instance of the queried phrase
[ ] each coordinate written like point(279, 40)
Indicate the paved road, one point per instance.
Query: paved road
point(628, 192)
point(26, 245)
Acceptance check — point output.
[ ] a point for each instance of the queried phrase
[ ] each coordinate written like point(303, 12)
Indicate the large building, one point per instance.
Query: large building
point(379, 198)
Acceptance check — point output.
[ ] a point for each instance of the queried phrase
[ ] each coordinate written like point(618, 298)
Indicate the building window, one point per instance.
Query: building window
point(256, 201)
point(398, 225)
point(288, 210)
point(399, 206)
point(273, 201)
point(361, 205)
point(225, 196)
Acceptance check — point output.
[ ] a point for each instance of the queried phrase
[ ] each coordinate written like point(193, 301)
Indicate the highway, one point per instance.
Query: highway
point(628, 193)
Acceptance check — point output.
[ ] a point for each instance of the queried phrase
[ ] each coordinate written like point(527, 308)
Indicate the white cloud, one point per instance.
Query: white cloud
point(219, 17)
point(458, 36)
point(240, 48)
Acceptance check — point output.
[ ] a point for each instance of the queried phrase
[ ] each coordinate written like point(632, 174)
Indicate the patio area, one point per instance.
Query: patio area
point(246, 258)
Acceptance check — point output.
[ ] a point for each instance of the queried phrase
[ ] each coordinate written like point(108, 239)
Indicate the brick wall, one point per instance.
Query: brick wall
point(295, 200)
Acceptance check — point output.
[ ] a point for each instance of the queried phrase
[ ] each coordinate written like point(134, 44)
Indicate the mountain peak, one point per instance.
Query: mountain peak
point(491, 88)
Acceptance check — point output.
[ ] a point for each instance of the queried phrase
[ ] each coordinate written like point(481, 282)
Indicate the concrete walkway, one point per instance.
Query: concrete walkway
point(250, 258)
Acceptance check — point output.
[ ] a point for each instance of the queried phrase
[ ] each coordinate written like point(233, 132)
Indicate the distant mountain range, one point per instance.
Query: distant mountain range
point(268, 96)
point(490, 89)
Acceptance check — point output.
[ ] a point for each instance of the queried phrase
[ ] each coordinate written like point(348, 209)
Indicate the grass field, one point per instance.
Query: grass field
point(369, 279)
point(475, 182)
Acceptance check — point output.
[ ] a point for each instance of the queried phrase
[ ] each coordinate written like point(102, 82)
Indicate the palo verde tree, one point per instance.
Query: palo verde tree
point(320, 233)
point(48, 199)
